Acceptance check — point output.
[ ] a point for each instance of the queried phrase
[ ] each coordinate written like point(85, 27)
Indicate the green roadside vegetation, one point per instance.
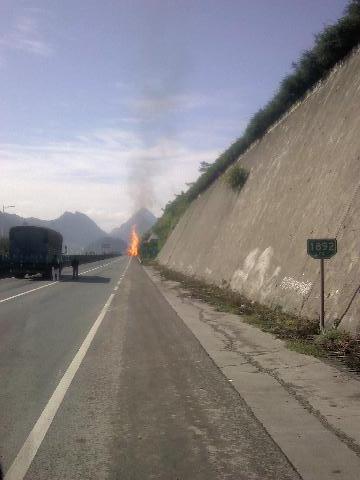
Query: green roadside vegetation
point(4, 252)
point(148, 248)
point(300, 334)
point(4, 246)
point(332, 45)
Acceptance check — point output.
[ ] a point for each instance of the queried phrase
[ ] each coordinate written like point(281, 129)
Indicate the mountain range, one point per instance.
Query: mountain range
point(143, 219)
point(81, 233)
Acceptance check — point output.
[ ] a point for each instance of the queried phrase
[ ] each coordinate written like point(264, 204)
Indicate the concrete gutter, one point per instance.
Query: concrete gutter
point(310, 408)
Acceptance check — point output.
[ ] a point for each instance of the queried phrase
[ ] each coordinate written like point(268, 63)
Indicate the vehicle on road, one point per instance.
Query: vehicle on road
point(34, 250)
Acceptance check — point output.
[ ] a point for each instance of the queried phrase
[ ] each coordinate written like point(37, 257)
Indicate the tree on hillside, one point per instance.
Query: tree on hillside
point(204, 167)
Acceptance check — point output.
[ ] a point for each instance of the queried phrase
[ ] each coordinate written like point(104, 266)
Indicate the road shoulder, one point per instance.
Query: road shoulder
point(310, 408)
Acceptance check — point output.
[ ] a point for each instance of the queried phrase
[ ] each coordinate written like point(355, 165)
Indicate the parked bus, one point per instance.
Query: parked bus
point(34, 250)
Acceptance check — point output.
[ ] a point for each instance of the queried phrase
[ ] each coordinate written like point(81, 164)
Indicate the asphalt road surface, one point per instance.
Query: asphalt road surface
point(100, 379)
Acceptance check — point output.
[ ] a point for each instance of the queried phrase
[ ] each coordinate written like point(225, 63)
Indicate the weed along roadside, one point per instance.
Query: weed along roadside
point(301, 334)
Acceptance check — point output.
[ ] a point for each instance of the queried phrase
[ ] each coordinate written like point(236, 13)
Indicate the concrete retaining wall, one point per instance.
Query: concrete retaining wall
point(304, 183)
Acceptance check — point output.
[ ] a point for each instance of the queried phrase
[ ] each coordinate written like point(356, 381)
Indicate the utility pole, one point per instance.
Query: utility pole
point(3, 211)
point(7, 206)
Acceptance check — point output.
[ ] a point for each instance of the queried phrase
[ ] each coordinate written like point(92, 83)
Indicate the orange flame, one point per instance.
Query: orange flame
point(133, 249)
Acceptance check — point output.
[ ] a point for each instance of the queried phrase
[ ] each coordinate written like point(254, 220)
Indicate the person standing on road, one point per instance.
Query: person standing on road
point(55, 269)
point(75, 267)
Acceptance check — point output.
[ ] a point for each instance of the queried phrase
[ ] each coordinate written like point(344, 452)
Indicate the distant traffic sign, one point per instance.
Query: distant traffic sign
point(322, 248)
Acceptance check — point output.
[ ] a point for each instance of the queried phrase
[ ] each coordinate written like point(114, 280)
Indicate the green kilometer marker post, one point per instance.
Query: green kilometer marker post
point(322, 249)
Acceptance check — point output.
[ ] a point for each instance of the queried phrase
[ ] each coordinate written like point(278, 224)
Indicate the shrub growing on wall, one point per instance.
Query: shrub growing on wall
point(236, 177)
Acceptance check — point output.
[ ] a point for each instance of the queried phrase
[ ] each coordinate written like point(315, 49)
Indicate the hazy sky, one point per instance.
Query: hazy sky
point(108, 105)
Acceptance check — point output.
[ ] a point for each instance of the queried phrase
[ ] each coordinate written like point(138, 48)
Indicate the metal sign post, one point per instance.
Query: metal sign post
point(322, 295)
point(322, 249)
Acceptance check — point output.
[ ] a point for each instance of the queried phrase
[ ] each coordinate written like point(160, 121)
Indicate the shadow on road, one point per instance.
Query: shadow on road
point(68, 278)
point(85, 279)
point(1, 473)
point(5, 275)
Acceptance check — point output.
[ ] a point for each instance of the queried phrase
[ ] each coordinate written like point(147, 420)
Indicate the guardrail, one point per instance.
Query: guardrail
point(86, 258)
point(5, 265)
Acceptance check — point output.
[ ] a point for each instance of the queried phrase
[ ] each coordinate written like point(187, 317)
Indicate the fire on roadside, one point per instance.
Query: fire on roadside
point(133, 249)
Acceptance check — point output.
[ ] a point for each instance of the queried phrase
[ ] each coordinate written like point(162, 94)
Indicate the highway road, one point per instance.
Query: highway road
point(100, 379)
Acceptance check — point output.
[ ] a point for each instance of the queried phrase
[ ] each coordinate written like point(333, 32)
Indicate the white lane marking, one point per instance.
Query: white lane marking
point(26, 455)
point(29, 291)
point(116, 288)
point(99, 266)
point(50, 284)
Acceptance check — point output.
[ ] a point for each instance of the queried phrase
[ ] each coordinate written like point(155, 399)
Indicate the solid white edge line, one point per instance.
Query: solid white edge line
point(24, 458)
point(49, 284)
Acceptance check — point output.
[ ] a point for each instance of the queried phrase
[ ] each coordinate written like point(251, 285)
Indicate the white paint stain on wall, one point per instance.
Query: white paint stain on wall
point(190, 270)
point(255, 275)
point(270, 283)
point(302, 288)
point(262, 266)
point(240, 276)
